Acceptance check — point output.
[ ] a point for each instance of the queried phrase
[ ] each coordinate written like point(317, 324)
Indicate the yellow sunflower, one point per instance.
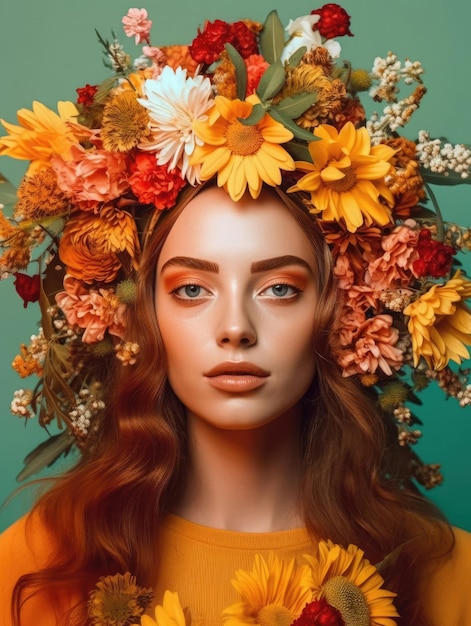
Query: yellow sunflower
point(346, 177)
point(352, 585)
point(117, 600)
point(169, 614)
point(273, 593)
point(440, 323)
point(42, 133)
point(240, 154)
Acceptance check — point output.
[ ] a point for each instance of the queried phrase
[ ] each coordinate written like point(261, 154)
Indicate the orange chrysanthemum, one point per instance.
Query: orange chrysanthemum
point(440, 323)
point(346, 177)
point(91, 245)
point(241, 155)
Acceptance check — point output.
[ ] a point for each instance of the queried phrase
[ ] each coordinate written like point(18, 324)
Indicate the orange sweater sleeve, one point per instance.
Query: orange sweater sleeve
point(24, 548)
point(447, 587)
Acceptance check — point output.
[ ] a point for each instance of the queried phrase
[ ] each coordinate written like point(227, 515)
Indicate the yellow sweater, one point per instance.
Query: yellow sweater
point(199, 563)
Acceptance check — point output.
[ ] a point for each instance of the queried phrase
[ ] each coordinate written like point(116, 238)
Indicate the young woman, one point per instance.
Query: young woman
point(234, 434)
point(234, 470)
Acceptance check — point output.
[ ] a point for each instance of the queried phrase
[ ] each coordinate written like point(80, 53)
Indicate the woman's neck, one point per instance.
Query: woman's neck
point(244, 480)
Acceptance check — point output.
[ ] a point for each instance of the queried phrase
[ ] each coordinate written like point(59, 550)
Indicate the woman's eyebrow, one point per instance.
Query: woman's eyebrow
point(192, 263)
point(278, 261)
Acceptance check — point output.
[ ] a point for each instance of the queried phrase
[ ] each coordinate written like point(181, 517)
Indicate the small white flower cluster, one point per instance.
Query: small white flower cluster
point(119, 59)
point(403, 414)
point(409, 437)
point(389, 72)
point(37, 349)
point(21, 403)
point(395, 115)
point(443, 158)
point(86, 407)
point(464, 396)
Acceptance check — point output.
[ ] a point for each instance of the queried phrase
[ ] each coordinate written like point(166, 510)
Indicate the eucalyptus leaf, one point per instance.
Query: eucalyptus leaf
point(255, 117)
point(297, 131)
point(296, 57)
point(294, 106)
point(272, 38)
point(104, 89)
point(272, 81)
point(240, 69)
point(449, 179)
point(45, 454)
point(299, 151)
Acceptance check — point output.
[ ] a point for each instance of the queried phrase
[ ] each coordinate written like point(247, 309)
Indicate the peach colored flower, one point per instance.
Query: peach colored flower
point(350, 321)
point(362, 297)
point(372, 348)
point(136, 24)
point(343, 271)
point(94, 310)
point(94, 246)
point(394, 267)
point(91, 177)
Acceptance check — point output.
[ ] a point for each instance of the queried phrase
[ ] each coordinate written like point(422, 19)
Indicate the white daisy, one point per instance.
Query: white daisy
point(174, 102)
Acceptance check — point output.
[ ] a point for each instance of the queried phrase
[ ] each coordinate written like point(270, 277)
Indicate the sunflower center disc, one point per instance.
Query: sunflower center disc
point(347, 598)
point(243, 140)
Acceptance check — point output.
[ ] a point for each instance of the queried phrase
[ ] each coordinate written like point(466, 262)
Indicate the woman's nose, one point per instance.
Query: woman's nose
point(236, 326)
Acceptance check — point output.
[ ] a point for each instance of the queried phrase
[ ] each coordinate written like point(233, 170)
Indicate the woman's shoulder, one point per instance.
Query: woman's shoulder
point(446, 585)
point(25, 547)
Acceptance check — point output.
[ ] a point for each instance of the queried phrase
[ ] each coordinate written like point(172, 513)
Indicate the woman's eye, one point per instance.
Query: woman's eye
point(190, 292)
point(280, 290)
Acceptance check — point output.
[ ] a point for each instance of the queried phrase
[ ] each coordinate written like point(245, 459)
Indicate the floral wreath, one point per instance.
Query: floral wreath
point(337, 587)
point(248, 105)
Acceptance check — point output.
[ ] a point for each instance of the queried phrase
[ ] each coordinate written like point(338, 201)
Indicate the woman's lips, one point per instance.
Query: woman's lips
point(237, 376)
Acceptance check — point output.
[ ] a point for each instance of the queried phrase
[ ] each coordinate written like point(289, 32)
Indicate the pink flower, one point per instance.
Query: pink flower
point(372, 348)
point(137, 25)
point(394, 267)
point(95, 311)
point(91, 177)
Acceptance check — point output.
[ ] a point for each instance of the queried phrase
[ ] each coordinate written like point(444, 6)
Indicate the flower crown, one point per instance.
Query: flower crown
point(248, 105)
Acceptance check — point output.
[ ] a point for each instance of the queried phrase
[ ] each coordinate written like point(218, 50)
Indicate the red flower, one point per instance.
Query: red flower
point(334, 22)
point(319, 613)
point(435, 258)
point(27, 287)
point(243, 39)
point(256, 66)
point(208, 44)
point(154, 184)
point(86, 94)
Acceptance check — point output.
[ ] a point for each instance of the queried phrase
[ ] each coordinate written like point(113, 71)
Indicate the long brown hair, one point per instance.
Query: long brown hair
point(106, 511)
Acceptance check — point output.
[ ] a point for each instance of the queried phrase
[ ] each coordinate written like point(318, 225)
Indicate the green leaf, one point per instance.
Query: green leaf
point(272, 38)
point(299, 151)
point(240, 69)
point(104, 89)
point(272, 81)
point(294, 106)
point(257, 114)
point(449, 178)
point(298, 132)
point(296, 57)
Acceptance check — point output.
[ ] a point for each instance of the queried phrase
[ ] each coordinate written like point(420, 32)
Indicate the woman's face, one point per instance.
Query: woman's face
point(235, 301)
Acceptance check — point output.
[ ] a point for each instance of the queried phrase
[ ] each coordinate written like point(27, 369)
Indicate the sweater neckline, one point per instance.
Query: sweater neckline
point(236, 539)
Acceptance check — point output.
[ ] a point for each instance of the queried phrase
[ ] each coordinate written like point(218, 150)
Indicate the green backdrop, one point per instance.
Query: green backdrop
point(47, 49)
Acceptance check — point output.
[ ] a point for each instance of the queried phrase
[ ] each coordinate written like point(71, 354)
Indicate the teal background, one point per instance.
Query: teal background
point(47, 49)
